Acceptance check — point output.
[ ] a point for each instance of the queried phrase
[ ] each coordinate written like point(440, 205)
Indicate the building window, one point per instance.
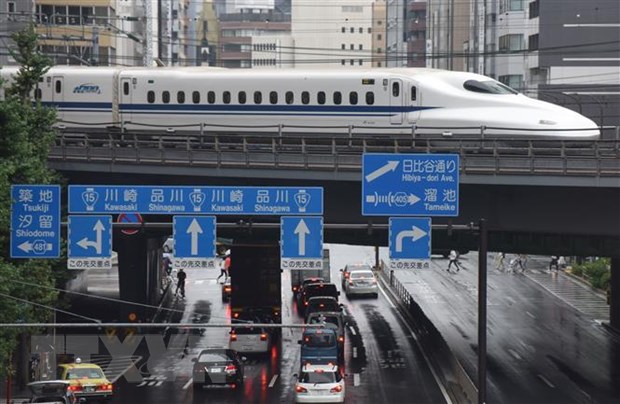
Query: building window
point(369, 30)
point(514, 81)
point(343, 46)
point(305, 97)
point(320, 97)
point(370, 98)
point(344, 30)
point(165, 97)
point(241, 97)
point(342, 62)
point(511, 42)
point(337, 97)
point(516, 5)
point(352, 30)
point(211, 97)
point(352, 46)
point(534, 9)
point(181, 97)
point(378, 37)
point(150, 97)
point(361, 30)
point(532, 42)
point(361, 62)
point(258, 97)
point(226, 97)
point(289, 97)
point(196, 97)
point(353, 98)
point(361, 47)
point(10, 7)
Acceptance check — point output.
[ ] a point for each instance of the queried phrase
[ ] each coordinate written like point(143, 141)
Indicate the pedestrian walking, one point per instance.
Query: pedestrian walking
point(224, 267)
point(453, 257)
point(500, 261)
point(554, 263)
point(181, 276)
point(521, 260)
point(562, 262)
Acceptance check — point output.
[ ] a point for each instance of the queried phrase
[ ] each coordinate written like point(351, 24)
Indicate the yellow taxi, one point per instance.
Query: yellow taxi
point(86, 380)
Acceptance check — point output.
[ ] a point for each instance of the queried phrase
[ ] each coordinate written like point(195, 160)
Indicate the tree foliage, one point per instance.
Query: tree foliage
point(26, 135)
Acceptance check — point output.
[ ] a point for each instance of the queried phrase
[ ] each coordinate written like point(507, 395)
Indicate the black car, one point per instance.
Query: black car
point(316, 289)
point(53, 392)
point(218, 367)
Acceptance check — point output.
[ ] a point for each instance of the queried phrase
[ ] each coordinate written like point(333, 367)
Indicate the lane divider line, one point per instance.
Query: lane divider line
point(547, 382)
point(189, 382)
point(352, 330)
point(355, 352)
point(273, 381)
point(356, 379)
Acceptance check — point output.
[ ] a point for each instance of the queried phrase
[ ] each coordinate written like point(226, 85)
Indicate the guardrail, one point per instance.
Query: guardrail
point(336, 152)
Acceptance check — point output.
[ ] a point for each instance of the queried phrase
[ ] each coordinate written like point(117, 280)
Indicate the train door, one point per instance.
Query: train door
point(126, 98)
point(396, 101)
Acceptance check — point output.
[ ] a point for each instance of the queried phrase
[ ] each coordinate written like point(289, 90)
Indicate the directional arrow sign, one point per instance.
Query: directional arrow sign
point(194, 242)
point(301, 240)
point(410, 242)
point(93, 248)
point(410, 184)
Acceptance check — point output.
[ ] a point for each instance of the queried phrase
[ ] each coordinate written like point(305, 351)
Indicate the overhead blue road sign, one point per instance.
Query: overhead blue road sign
point(194, 241)
point(89, 242)
point(301, 239)
point(35, 221)
point(167, 200)
point(410, 242)
point(410, 185)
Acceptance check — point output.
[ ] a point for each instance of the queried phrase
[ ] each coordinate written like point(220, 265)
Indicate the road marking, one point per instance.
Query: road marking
point(198, 282)
point(352, 330)
point(547, 382)
point(189, 382)
point(356, 379)
point(530, 314)
point(355, 352)
point(273, 381)
point(514, 354)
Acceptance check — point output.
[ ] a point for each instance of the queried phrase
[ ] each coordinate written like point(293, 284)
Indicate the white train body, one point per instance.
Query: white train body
point(423, 101)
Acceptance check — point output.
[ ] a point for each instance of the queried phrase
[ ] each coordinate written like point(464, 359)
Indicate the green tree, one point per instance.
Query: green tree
point(26, 135)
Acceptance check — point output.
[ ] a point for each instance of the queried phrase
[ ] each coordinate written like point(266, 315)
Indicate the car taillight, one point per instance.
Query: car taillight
point(341, 339)
point(236, 315)
point(233, 337)
point(301, 389)
point(263, 337)
point(106, 387)
point(227, 289)
point(346, 275)
point(336, 389)
point(305, 303)
point(230, 369)
point(75, 388)
point(374, 280)
point(295, 288)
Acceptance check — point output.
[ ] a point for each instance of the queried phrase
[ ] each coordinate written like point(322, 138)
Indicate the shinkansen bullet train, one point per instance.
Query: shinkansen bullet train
point(374, 101)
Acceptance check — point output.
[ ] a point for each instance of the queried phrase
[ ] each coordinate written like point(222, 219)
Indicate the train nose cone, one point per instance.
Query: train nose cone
point(562, 122)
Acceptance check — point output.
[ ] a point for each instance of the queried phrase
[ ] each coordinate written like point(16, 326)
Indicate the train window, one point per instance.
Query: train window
point(370, 98)
point(150, 97)
point(258, 97)
point(273, 97)
point(211, 97)
point(488, 87)
point(395, 89)
point(37, 94)
point(353, 98)
point(414, 93)
point(320, 97)
point(226, 97)
point(289, 97)
point(305, 97)
point(337, 97)
point(58, 86)
point(196, 97)
point(241, 97)
point(165, 97)
point(181, 97)
point(126, 88)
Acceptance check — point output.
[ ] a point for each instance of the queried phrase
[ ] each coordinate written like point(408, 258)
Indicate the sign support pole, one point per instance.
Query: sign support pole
point(482, 313)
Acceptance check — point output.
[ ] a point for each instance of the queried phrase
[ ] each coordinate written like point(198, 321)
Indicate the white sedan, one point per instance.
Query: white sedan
point(361, 282)
point(319, 384)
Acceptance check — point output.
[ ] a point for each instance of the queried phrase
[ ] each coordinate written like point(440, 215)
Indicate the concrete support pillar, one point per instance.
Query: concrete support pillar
point(614, 304)
point(132, 273)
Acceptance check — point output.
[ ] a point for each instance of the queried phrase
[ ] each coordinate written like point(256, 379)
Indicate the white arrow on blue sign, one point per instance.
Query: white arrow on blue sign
point(89, 242)
point(194, 241)
point(301, 239)
point(409, 241)
point(35, 221)
point(410, 184)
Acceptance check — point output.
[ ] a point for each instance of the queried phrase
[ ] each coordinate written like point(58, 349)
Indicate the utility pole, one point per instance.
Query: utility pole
point(95, 39)
point(160, 30)
point(147, 56)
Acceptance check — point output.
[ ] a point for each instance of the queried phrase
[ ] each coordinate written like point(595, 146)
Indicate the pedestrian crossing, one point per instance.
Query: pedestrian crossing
point(572, 292)
point(115, 367)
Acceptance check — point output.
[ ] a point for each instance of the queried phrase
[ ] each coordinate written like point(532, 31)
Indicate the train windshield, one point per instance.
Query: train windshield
point(488, 87)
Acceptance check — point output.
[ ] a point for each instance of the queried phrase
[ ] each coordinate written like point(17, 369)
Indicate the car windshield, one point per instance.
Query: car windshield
point(488, 87)
point(358, 267)
point(248, 330)
point(325, 289)
point(213, 357)
point(319, 377)
point(328, 320)
point(361, 274)
point(85, 373)
point(317, 340)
